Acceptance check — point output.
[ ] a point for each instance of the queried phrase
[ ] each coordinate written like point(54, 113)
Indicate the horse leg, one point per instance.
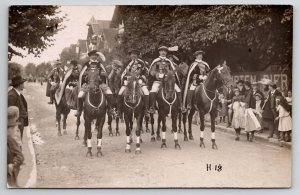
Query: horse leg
point(131, 125)
point(58, 118)
point(202, 125)
point(179, 122)
point(85, 138)
point(117, 126)
point(190, 118)
point(77, 128)
point(139, 124)
point(65, 116)
point(213, 115)
point(128, 133)
point(88, 127)
point(184, 119)
point(147, 124)
point(109, 121)
point(152, 128)
point(159, 119)
point(174, 128)
point(99, 135)
point(163, 120)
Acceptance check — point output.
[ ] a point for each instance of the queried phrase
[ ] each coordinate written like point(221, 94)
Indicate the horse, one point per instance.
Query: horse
point(168, 104)
point(94, 108)
point(133, 107)
point(62, 109)
point(206, 101)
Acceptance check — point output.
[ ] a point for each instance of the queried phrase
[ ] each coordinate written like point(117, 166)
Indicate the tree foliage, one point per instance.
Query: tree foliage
point(68, 54)
point(31, 28)
point(14, 69)
point(30, 69)
point(247, 36)
point(43, 69)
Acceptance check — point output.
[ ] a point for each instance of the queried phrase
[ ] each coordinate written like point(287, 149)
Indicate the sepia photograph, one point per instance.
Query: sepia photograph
point(149, 96)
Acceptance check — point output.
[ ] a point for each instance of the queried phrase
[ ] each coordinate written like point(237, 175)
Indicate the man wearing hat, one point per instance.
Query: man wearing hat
point(94, 62)
point(14, 150)
point(54, 78)
point(162, 65)
point(15, 98)
point(197, 73)
point(241, 86)
point(269, 113)
point(137, 67)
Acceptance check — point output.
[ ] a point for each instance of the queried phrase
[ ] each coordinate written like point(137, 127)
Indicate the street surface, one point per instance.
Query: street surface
point(63, 162)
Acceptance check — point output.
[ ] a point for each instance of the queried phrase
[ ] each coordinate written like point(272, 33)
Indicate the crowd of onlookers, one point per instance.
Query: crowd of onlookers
point(17, 119)
point(257, 107)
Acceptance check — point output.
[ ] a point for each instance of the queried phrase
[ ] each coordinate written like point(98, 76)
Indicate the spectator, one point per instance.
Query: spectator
point(258, 108)
point(241, 87)
point(284, 118)
point(269, 110)
point(289, 100)
point(229, 97)
point(238, 107)
point(249, 98)
point(12, 128)
point(223, 109)
point(14, 153)
point(15, 98)
point(256, 90)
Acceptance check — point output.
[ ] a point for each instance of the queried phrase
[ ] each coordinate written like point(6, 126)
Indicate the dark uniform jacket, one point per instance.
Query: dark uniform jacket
point(137, 67)
point(200, 69)
point(249, 98)
point(100, 68)
point(14, 99)
point(269, 107)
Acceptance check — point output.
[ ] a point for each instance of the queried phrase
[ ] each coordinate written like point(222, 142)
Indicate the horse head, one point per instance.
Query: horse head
point(169, 81)
point(221, 75)
point(132, 92)
point(93, 79)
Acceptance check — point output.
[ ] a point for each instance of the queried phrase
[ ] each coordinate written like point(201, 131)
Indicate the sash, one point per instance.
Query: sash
point(129, 66)
point(194, 64)
point(59, 95)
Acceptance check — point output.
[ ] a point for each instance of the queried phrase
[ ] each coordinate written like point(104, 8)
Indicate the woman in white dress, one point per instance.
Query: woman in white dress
point(285, 119)
point(238, 107)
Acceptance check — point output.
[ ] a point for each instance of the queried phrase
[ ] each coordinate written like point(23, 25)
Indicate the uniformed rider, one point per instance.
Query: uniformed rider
point(55, 77)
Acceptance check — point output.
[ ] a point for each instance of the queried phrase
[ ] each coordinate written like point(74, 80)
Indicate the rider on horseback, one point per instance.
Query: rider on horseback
point(54, 78)
point(137, 67)
point(197, 74)
point(159, 67)
point(93, 64)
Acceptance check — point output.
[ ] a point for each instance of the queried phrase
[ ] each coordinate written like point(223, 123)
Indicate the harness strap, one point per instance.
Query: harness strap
point(170, 104)
point(133, 107)
point(211, 100)
point(100, 104)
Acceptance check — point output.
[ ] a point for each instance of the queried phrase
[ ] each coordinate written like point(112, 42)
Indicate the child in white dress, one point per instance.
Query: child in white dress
point(285, 119)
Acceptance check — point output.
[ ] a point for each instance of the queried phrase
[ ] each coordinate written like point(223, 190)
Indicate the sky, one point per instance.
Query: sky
point(76, 28)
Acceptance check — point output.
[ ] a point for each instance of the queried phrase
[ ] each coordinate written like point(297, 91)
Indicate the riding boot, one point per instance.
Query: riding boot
point(152, 102)
point(189, 99)
point(183, 109)
point(79, 107)
point(146, 98)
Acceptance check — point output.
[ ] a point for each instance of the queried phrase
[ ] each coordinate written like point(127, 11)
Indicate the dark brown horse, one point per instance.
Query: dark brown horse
point(63, 110)
point(206, 100)
point(133, 108)
point(168, 104)
point(94, 108)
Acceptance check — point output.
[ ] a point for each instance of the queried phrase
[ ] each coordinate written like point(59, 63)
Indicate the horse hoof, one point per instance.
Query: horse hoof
point(163, 145)
point(76, 137)
point(180, 131)
point(117, 133)
point(185, 138)
point(138, 151)
point(177, 146)
point(111, 134)
point(147, 130)
point(202, 145)
point(89, 154)
point(59, 133)
point(191, 137)
point(214, 146)
point(65, 132)
point(99, 153)
point(158, 138)
point(127, 150)
point(152, 139)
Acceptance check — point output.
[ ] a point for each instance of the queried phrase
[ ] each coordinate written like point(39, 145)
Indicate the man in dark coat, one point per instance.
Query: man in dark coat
point(229, 96)
point(241, 87)
point(249, 98)
point(54, 78)
point(15, 98)
point(269, 110)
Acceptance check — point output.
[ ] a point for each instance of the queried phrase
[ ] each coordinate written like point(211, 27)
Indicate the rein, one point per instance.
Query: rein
point(133, 107)
point(100, 104)
point(211, 100)
point(170, 104)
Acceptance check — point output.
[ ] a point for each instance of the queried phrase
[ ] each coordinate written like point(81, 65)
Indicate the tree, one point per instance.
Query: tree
point(250, 37)
point(14, 69)
point(68, 54)
point(31, 28)
point(30, 69)
point(43, 69)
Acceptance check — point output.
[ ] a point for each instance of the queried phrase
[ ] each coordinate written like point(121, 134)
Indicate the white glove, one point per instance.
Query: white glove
point(125, 82)
point(53, 83)
point(161, 75)
point(140, 81)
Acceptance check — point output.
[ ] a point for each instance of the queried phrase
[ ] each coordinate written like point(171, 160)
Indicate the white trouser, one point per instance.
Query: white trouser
point(143, 88)
point(156, 86)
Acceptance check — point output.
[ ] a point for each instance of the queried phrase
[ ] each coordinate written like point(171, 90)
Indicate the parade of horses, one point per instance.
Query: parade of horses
point(150, 97)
